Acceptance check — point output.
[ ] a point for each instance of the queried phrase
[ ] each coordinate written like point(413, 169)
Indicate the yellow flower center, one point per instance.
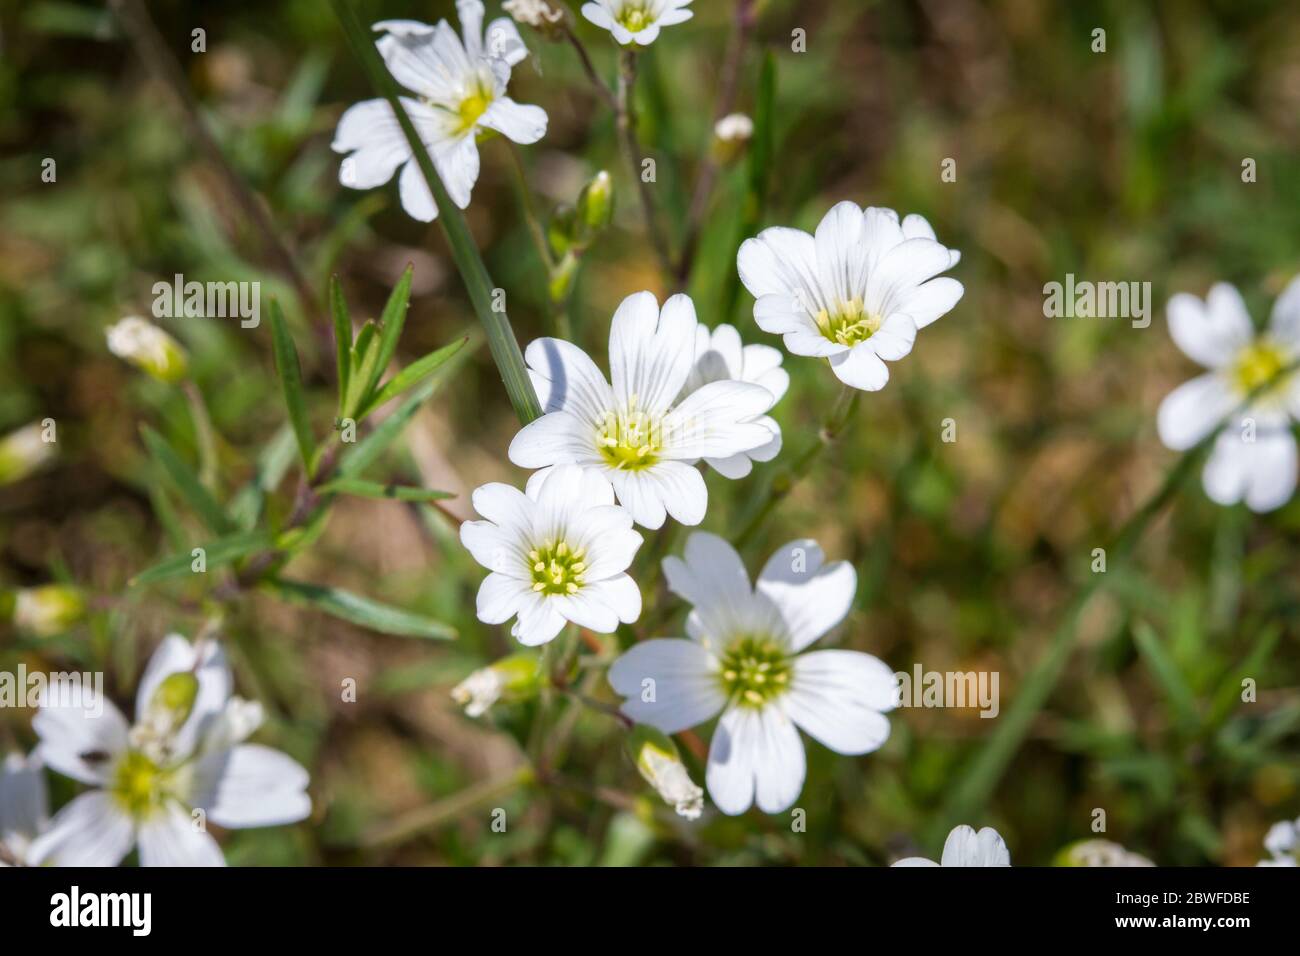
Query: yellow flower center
point(556, 568)
point(1259, 365)
point(630, 439)
point(139, 785)
point(754, 671)
point(634, 17)
point(849, 325)
point(473, 107)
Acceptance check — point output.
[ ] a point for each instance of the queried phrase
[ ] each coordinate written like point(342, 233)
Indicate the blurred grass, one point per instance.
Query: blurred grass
point(1118, 166)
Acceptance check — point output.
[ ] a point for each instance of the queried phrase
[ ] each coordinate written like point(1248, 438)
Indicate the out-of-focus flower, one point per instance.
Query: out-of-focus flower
point(855, 293)
point(1283, 844)
point(965, 847)
point(24, 809)
point(23, 452)
point(184, 763)
point(734, 128)
point(658, 761)
point(510, 679)
point(720, 356)
point(557, 552)
point(1099, 853)
point(1254, 457)
point(535, 13)
point(460, 85)
point(637, 21)
point(637, 433)
point(47, 610)
point(148, 348)
point(743, 658)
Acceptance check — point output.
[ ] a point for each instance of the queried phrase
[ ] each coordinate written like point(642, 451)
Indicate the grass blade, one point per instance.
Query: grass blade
point(359, 610)
point(286, 364)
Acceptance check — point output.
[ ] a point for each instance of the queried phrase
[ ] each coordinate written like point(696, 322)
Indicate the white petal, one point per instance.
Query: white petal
point(495, 549)
point(252, 786)
point(1284, 324)
point(812, 598)
point(1213, 331)
point(841, 256)
point(457, 162)
point(380, 147)
point(717, 420)
point(810, 341)
point(500, 597)
point(539, 621)
point(642, 495)
point(734, 467)
point(1263, 472)
point(598, 15)
point(432, 63)
point(860, 367)
point(780, 313)
point(176, 655)
point(965, 847)
point(567, 379)
point(516, 121)
point(557, 438)
point(566, 496)
point(416, 198)
point(506, 506)
point(893, 340)
point(24, 801)
point(682, 490)
point(651, 352)
point(669, 683)
point(1191, 411)
point(711, 577)
point(80, 732)
point(894, 279)
point(89, 831)
point(840, 698)
point(931, 300)
point(914, 861)
point(502, 40)
point(756, 756)
point(171, 839)
point(781, 261)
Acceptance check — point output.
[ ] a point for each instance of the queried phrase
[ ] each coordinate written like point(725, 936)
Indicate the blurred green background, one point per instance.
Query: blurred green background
point(1123, 165)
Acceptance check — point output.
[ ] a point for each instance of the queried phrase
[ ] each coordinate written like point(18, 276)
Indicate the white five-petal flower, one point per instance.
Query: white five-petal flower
point(459, 87)
point(720, 356)
point(855, 293)
point(1283, 844)
point(1254, 457)
point(637, 21)
point(557, 553)
point(743, 659)
point(965, 847)
point(24, 808)
point(637, 433)
point(185, 753)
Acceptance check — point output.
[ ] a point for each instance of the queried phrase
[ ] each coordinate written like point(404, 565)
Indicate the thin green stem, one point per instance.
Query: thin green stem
point(204, 433)
point(535, 230)
point(446, 810)
point(482, 293)
point(626, 115)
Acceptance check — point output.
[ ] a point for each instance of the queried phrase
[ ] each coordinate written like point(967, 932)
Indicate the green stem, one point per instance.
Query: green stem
point(444, 811)
point(204, 433)
point(626, 115)
point(482, 293)
point(535, 229)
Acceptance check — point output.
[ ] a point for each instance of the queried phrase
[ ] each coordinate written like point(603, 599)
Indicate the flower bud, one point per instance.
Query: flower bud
point(658, 761)
point(148, 348)
point(47, 610)
point(512, 679)
point(596, 203)
point(1099, 853)
point(23, 452)
point(730, 135)
point(535, 13)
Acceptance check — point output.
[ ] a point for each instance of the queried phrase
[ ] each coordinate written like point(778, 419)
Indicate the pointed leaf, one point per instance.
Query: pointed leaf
point(359, 610)
point(186, 482)
point(286, 364)
point(217, 553)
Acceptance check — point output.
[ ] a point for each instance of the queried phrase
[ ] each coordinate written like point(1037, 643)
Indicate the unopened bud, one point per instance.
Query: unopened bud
point(596, 204)
point(47, 610)
point(658, 761)
point(511, 679)
point(148, 348)
point(730, 134)
point(23, 452)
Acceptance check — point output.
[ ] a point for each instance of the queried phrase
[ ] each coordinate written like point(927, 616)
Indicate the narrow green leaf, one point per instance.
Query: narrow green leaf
point(272, 464)
point(359, 610)
point(217, 553)
point(412, 375)
point(286, 363)
point(375, 489)
point(369, 448)
point(342, 341)
point(501, 337)
point(364, 359)
point(390, 326)
point(1166, 672)
point(186, 482)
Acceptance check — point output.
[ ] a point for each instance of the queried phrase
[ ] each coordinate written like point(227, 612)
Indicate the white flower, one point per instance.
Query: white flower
point(720, 356)
point(734, 128)
point(1101, 853)
point(965, 847)
point(557, 553)
point(636, 432)
point(535, 13)
point(636, 21)
point(856, 293)
point(743, 659)
point(148, 348)
point(23, 452)
point(1282, 842)
point(460, 93)
point(185, 754)
point(1254, 457)
point(24, 809)
point(479, 691)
